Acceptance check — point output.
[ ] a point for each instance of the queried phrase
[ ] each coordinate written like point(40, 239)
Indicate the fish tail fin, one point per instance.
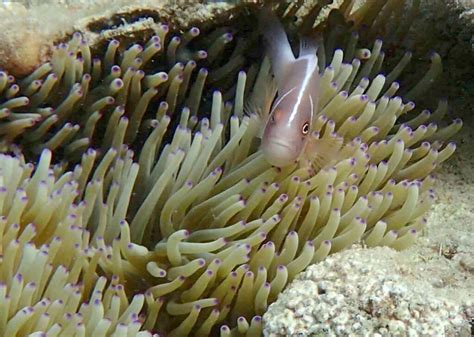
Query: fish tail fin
point(308, 46)
point(277, 44)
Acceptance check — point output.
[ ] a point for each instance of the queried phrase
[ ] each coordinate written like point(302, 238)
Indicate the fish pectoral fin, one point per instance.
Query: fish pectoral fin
point(251, 109)
point(321, 152)
point(260, 103)
point(271, 90)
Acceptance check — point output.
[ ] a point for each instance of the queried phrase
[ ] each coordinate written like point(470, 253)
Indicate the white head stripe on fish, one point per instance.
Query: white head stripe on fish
point(279, 99)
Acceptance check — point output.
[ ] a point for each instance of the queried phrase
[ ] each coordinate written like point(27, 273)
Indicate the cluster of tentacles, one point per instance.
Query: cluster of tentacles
point(151, 210)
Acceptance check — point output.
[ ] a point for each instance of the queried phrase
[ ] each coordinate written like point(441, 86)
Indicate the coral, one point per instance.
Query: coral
point(362, 292)
point(28, 29)
point(176, 224)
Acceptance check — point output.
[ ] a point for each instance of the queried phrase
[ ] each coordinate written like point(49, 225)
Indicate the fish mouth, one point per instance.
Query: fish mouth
point(279, 153)
point(280, 144)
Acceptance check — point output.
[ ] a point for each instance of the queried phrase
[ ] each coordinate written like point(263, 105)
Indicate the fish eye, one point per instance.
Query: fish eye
point(305, 128)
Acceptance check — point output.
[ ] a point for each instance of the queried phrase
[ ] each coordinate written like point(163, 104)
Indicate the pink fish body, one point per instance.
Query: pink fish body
point(289, 122)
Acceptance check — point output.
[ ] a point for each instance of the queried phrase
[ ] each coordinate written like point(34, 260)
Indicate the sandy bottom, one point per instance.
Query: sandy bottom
point(445, 254)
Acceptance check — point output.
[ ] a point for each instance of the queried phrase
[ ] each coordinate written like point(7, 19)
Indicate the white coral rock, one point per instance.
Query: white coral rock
point(362, 292)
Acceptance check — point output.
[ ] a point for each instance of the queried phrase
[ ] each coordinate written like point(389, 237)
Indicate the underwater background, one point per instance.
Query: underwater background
point(135, 200)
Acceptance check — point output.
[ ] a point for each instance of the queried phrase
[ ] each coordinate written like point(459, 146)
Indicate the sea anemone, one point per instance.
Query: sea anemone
point(197, 233)
point(76, 100)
